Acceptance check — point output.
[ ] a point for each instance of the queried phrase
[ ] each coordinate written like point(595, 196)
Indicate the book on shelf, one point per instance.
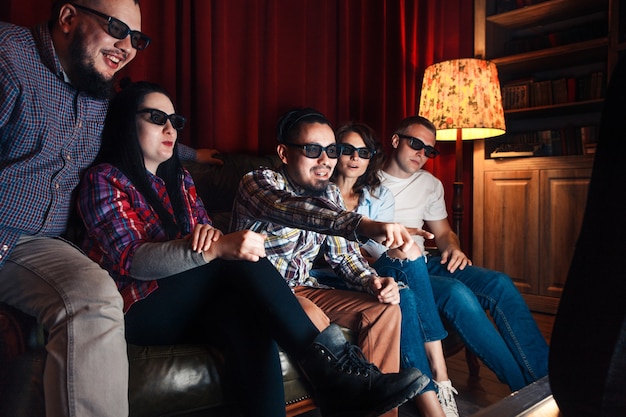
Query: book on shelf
point(569, 143)
point(516, 94)
point(588, 139)
point(528, 93)
point(571, 140)
point(590, 86)
point(548, 138)
point(597, 85)
point(541, 93)
point(571, 89)
point(579, 140)
point(515, 97)
point(559, 91)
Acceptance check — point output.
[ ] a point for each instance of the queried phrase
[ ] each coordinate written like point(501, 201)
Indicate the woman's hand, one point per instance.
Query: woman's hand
point(203, 236)
point(244, 245)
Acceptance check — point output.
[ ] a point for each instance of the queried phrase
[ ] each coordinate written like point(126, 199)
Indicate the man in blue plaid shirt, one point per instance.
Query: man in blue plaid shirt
point(55, 80)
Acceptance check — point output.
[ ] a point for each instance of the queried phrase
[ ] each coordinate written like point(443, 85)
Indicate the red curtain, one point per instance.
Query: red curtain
point(233, 66)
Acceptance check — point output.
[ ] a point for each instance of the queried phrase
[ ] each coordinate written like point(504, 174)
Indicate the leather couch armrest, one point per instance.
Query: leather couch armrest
point(18, 332)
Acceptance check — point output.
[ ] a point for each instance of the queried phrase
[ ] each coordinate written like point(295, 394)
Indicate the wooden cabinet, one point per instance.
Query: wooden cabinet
point(527, 211)
point(527, 216)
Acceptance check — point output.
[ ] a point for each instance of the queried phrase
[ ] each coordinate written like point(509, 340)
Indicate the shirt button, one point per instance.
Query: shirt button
point(68, 157)
point(57, 186)
point(5, 248)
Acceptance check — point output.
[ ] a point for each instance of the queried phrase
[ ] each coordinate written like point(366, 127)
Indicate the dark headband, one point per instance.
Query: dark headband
point(295, 117)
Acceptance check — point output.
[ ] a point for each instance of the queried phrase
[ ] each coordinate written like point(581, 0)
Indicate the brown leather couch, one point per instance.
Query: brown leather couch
point(180, 380)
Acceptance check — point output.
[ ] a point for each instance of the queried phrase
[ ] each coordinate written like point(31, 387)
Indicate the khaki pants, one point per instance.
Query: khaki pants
point(86, 372)
point(376, 324)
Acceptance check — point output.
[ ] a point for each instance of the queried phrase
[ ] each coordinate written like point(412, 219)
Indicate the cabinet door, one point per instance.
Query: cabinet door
point(511, 213)
point(563, 196)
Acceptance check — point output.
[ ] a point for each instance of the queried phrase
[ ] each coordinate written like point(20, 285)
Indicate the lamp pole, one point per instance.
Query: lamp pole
point(457, 199)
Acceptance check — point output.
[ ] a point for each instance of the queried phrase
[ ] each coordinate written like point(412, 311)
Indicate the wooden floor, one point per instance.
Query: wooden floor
point(475, 393)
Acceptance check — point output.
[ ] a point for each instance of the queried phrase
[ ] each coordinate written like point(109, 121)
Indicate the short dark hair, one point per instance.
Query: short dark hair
point(416, 120)
point(56, 7)
point(290, 123)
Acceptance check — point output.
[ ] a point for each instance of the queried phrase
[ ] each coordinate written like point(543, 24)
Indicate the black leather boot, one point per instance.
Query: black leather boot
point(345, 384)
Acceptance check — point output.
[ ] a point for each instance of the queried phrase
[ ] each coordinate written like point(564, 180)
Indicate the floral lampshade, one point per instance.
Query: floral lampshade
point(463, 94)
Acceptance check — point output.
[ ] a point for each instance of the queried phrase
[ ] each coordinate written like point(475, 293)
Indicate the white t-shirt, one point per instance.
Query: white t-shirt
point(419, 197)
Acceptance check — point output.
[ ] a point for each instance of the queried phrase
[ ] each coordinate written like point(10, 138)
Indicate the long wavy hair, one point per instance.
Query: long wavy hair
point(121, 148)
point(370, 176)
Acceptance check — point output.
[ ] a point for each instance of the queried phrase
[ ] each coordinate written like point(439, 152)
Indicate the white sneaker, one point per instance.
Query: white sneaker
point(445, 395)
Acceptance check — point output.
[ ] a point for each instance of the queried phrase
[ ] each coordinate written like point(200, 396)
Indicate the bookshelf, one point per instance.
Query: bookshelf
point(554, 60)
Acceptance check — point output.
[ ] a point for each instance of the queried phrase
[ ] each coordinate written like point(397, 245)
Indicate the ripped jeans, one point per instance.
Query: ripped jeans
point(420, 318)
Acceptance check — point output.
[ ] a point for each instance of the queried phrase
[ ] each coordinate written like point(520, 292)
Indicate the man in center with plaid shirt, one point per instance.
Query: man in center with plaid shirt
point(302, 214)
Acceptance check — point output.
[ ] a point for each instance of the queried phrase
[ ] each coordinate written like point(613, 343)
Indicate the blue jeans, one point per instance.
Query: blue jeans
point(515, 350)
point(420, 319)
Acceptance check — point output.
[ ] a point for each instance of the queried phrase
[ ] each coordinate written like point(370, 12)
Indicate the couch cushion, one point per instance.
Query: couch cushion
point(216, 184)
point(178, 378)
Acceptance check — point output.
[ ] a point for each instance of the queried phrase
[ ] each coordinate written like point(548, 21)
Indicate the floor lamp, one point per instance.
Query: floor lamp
point(462, 99)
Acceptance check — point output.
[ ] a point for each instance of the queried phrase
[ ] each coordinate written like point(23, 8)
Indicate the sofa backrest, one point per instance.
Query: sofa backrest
point(217, 184)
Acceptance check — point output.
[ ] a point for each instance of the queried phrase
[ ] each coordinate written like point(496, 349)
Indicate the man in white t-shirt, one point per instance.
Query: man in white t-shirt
point(514, 349)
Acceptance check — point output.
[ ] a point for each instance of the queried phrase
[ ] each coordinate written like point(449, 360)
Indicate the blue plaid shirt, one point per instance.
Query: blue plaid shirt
point(297, 225)
point(49, 133)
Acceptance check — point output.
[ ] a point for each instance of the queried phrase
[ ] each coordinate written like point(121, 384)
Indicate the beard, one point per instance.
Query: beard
point(318, 189)
point(85, 77)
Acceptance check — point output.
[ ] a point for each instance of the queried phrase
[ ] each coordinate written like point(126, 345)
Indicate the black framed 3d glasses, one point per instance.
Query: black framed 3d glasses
point(418, 145)
point(363, 153)
point(159, 117)
point(313, 150)
point(119, 29)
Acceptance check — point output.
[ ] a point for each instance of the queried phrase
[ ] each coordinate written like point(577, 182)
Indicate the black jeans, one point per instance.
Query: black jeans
point(211, 304)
